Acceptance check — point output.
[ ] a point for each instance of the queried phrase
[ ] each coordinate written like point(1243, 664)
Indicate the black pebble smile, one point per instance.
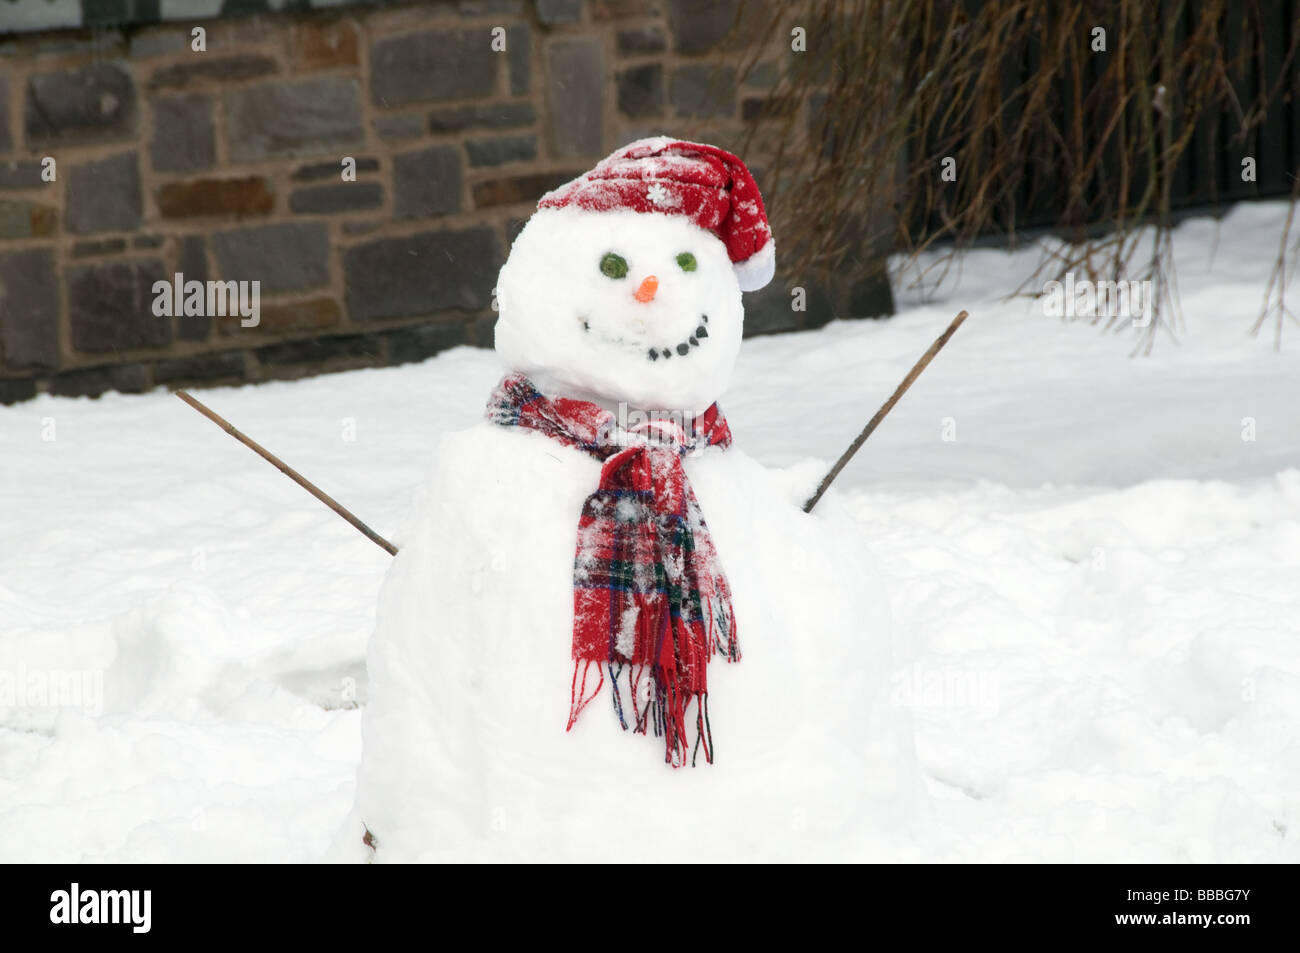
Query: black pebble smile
point(685, 347)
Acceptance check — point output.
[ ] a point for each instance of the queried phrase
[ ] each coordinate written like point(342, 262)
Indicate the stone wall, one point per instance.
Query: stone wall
point(128, 154)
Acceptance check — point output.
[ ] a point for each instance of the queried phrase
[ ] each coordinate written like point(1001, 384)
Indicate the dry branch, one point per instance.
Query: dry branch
point(885, 408)
point(288, 471)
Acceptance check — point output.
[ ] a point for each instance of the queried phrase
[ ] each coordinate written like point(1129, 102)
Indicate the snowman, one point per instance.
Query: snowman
point(610, 634)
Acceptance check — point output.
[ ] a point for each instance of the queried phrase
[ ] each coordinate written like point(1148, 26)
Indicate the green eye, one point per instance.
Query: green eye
point(686, 261)
point(613, 266)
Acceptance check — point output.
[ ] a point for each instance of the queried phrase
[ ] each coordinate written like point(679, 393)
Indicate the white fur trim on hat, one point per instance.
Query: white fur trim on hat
point(757, 270)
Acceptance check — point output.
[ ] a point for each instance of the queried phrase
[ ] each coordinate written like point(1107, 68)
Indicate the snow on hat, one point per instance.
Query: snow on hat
point(708, 185)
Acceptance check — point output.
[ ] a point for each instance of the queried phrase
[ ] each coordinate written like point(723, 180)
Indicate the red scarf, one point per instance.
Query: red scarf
point(650, 599)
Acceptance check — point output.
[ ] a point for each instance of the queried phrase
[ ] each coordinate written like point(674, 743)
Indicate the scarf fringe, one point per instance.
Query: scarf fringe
point(578, 697)
point(658, 696)
point(664, 709)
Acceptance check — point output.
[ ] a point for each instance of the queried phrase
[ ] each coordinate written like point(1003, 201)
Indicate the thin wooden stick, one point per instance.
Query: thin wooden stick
point(856, 445)
point(288, 471)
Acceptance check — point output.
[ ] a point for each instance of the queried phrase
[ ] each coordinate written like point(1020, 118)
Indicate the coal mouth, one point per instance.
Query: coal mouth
point(680, 349)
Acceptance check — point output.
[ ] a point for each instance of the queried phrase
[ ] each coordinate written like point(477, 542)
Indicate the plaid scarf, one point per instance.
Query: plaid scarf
point(650, 601)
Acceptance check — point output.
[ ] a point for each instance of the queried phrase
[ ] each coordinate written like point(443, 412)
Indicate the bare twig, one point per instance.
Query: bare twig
point(888, 405)
point(289, 471)
point(1280, 275)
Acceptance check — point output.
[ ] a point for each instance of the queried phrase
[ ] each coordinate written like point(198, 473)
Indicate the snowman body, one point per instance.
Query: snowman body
point(468, 753)
point(466, 756)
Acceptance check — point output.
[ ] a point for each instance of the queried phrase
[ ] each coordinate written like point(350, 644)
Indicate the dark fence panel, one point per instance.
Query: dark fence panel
point(1209, 172)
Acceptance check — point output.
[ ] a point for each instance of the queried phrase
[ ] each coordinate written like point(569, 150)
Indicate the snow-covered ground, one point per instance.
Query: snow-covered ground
point(1094, 563)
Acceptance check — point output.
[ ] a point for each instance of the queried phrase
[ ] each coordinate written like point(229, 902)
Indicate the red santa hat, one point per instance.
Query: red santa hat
point(703, 183)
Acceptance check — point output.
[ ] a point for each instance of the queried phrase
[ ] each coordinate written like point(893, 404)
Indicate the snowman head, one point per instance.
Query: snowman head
point(625, 285)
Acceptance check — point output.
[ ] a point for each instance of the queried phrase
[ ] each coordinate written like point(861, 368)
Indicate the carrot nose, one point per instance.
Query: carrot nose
point(647, 290)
